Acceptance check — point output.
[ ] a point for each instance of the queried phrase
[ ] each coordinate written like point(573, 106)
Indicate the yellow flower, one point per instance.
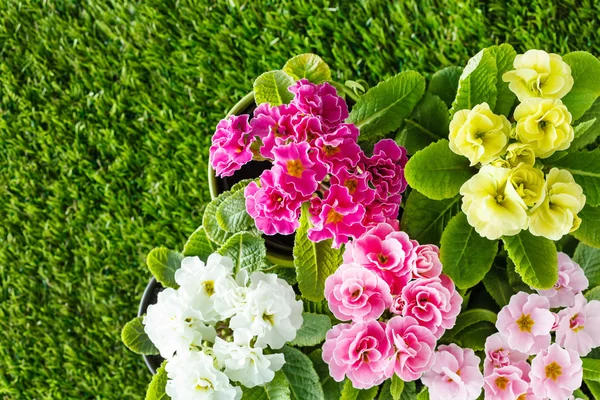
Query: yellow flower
point(556, 214)
point(545, 125)
point(539, 74)
point(516, 153)
point(479, 134)
point(528, 183)
point(492, 206)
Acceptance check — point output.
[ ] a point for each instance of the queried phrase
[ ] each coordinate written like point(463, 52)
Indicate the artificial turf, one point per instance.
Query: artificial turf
point(106, 115)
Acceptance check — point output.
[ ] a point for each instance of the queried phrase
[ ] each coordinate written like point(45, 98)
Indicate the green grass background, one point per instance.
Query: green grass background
point(107, 109)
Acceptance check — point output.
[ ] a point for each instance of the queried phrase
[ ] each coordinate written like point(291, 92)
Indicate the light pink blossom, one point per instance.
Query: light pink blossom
point(454, 374)
point(556, 373)
point(427, 263)
point(571, 280)
point(526, 322)
point(230, 147)
point(579, 326)
point(498, 354)
point(505, 383)
point(319, 100)
point(297, 168)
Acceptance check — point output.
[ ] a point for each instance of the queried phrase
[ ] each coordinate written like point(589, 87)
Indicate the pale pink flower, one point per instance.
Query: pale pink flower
point(556, 373)
point(454, 374)
point(526, 321)
point(571, 280)
point(579, 326)
point(230, 147)
point(413, 347)
point(498, 353)
point(355, 293)
point(398, 304)
point(319, 100)
point(427, 264)
point(505, 383)
point(297, 168)
point(360, 351)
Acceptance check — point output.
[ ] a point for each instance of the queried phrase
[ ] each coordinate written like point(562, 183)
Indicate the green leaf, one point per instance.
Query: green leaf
point(589, 259)
point(272, 87)
point(232, 215)
point(588, 130)
point(476, 336)
point(350, 393)
point(309, 66)
point(477, 83)
point(163, 263)
point(535, 259)
point(594, 387)
point(427, 123)
point(331, 388)
point(514, 279)
point(437, 172)
point(465, 266)
point(214, 231)
point(593, 294)
point(313, 330)
point(424, 394)
point(156, 389)
point(580, 395)
point(199, 245)
point(424, 219)
point(444, 84)
point(246, 250)
point(136, 339)
point(589, 231)
point(591, 369)
point(497, 285)
point(585, 69)
point(314, 262)
point(397, 387)
point(277, 389)
point(383, 108)
point(466, 320)
point(504, 55)
point(585, 168)
point(301, 374)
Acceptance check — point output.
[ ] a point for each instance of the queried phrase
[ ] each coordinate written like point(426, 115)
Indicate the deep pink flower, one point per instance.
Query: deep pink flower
point(319, 100)
point(398, 304)
point(526, 322)
point(355, 293)
point(454, 374)
point(434, 302)
point(339, 217)
point(275, 126)
point(337, 153)
point(386, 167)
point(556, 373)
point(505, 383)
point(427, 264)
point(274, 209)
point(359, 351)
point(310, 128)
point(357, 184)
point(579, 326)
point(297, 167)
point(571, 280)
point(413, 347)
point(383, 211)
point(498, 354)
point(344, 131)
point(231, 145)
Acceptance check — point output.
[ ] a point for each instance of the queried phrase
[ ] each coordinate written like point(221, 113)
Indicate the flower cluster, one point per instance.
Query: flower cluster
point(214, 329)
point(316, 159)
point(510, 192)
point(399, 304)
point(524, 329)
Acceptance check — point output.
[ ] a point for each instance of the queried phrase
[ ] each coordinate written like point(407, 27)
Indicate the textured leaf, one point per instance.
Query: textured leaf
point(272, 87)
point(313, 330)
point(497, 285)
point(424, 219)
point(465, 266)
point(437, 172)
point(585, 69)
point(214, 231)
point(156, 389)
point(586, 132)
point(277, 389)
point(300, 373)
point(535, 259)
point(314, 262)
point(477, 83)
point(136, 339)
point(504, 55)
point(199, 245)
point(427, 123)
point(309, 66)
point(163, 263)
point(594, 387)
point(331, 388)
point(397, 387)
point(514, 279)
point(589, 259)
point(476, 336)
point(585, 168)
point(589, 231)
point(444, 84)
point(350, 393)
point(466, 320)
point(232, 215)
point(579, 395)
point(593, 294)
point(423, 394)
point(383, 108)
point(591, 369)
point(246, 250)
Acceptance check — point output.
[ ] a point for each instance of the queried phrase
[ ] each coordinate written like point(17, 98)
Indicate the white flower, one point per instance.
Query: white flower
point(245, 364)
point(173, 326)
point(193, 376)
point(273, 314)
point(232, 297)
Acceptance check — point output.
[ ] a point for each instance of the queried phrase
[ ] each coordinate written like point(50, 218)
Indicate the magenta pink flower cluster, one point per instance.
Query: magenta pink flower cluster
point(399, 304)
point(315, 159)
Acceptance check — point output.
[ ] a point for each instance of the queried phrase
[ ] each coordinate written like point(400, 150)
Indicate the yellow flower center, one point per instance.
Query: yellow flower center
point(501, 382)
point(295, 168)
point(333, 217)
point(553, 371)
point(330, 150)
point(351, 184)
point(268, 318)
point(525, 323)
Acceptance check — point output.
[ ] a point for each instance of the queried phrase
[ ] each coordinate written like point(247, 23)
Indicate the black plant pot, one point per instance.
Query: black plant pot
point(150, 297)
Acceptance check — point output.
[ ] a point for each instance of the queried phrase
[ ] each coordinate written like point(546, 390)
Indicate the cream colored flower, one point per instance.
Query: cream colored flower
point(492, 206)
point(556, 214)
point(479, 134)
point(528, 183)
point(516, 153)
point(539, 74)
point(545, 125)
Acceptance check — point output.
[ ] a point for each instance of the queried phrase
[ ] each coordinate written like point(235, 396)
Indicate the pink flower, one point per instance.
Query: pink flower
point(359, 351)
point(526, 322)
point(413, 347)
point(556, 373)
point(579, 326)
point(338, 153)
point(339, 217)
point(427, 264)
point(433, 302)
point(398, 304)
point(355, 293)
point(386, 167)
point(454, 374)
point(357, 184)
point(231, 145)
point(310, 128)
point(319, 100)
point(273, 209)
point(571, 280)
point(275, 126)
point(505, 383)
point(383, 211)
point(498, 354)
point(297, 167)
